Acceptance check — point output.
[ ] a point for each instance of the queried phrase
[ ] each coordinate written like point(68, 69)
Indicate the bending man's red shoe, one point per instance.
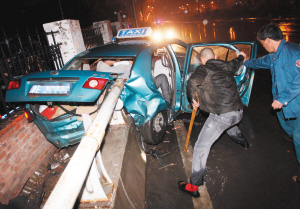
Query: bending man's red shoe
point(189, 188)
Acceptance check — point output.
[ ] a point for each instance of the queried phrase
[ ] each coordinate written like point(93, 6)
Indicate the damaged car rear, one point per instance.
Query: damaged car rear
point(154, 90)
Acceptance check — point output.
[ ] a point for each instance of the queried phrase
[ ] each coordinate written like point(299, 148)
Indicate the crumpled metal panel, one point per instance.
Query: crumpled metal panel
point(61, 133)
point(140, 96)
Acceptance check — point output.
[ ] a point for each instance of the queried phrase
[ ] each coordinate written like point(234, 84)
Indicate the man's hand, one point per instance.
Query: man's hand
point(243, 54)
point(195, 104)
point(276, 105)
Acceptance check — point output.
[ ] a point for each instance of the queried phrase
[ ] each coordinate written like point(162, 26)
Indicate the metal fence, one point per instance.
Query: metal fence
point(92, 37)
point(22, 54)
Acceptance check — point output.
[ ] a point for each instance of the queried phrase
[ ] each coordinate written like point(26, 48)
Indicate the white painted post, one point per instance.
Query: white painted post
point(69, 35)
point(105, 28)
point(70, 183)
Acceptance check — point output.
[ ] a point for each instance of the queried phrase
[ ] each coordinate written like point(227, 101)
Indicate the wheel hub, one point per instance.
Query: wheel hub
point(158, 122)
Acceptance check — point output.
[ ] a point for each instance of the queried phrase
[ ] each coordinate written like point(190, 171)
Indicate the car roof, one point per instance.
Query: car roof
point(114, 50)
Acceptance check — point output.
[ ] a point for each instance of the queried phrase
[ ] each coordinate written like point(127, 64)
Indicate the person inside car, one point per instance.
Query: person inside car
point(104, 64)
point(122, 68)
point(161, 80)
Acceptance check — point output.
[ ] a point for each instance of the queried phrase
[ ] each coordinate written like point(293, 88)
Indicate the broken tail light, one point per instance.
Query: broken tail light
point(29, 114)
point(95, 83)
point(15, 84)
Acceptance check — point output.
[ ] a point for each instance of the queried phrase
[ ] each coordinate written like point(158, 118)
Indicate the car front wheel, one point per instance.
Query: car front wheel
point(154, 130)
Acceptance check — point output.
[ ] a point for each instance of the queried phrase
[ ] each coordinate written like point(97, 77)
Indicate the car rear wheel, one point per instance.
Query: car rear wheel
point(154, 130)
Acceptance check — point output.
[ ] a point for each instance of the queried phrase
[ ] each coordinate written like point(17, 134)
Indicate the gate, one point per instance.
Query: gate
point(22, 54)
point(92, 37)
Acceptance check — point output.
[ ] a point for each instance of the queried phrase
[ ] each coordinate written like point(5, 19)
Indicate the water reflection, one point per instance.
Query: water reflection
point(288, 29)
point(214, 31)
point(233, 30)
point(190, 31)
point(199, 32)
point(244, 29)
point(232, 34)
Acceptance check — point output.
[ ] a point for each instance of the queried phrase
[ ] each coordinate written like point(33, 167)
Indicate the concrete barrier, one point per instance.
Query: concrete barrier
point(125, 163)
point(204, 202)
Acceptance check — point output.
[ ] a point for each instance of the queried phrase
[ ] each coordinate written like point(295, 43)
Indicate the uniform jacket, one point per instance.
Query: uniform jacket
point(216, 86)
point(285, 71)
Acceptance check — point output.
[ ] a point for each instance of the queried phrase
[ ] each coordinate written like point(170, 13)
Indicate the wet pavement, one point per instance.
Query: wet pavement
point(260, 177)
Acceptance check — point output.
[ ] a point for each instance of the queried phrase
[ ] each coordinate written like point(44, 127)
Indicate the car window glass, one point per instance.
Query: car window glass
point(222, 53)
point(195, 61)
point(178, 49)
point(180, 52)
point(245, 48)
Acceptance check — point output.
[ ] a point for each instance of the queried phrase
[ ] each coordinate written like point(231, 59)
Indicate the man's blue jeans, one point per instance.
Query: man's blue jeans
point(292, 128)
point(214, 126)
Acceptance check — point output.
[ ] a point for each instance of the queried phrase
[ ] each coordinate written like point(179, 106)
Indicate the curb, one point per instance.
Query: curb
point(204, 201)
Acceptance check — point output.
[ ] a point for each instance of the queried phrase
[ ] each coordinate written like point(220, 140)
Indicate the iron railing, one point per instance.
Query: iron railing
point(92, 37)
point(22, 54)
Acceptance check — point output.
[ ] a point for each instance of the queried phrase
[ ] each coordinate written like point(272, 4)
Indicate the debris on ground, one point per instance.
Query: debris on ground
point(39, 186)
point(32, 192)
point(159, 157)
point(54, 165)
point(176, 127)
point(189, 121)
point(58, 163)
point(167, 165)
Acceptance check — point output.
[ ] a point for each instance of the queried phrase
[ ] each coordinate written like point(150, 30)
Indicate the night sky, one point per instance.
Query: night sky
point(20, 13)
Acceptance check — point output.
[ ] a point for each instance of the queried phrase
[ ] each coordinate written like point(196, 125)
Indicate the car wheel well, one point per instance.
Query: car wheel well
point(153, 131)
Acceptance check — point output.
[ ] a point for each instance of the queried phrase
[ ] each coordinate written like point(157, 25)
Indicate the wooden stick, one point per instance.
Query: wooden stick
point(191, 126)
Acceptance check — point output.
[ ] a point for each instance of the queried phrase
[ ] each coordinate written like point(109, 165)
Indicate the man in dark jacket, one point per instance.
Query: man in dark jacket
point(218, 94)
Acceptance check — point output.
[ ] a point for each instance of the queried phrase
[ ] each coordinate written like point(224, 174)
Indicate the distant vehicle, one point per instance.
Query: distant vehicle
point(71, 88)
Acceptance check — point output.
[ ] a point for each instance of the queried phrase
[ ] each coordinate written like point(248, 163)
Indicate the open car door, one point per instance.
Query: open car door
point(224, 51)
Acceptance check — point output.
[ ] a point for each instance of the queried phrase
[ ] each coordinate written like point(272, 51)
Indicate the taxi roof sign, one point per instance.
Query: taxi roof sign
point(135, 32)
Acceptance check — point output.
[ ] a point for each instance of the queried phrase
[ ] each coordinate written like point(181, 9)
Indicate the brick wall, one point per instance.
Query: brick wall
point(22, 150)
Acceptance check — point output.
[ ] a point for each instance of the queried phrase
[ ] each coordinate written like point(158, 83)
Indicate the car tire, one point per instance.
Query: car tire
point(143, 146)
point(154, 130)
